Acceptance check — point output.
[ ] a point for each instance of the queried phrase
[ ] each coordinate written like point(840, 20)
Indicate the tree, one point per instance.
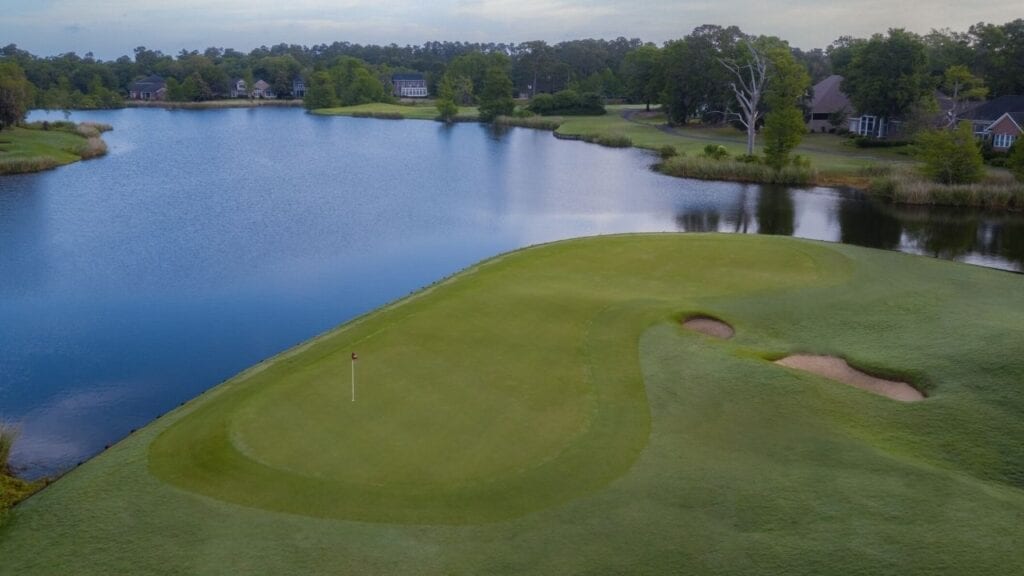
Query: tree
point(749, 79)
point(496, 96)
point(320, 92)
point(1015, 161)
point(887, 75)
point(15, 94)
point(643, 74)
point(784, 124)
point(446, 106)
point(951, 156)
point(962, 87)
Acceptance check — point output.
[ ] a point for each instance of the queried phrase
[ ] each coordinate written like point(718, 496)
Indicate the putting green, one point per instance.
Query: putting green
point(545, 412)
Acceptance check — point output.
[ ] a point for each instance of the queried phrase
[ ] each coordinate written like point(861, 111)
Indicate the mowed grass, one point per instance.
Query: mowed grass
point(545, 413)
point(827, 152)
point(423, 111)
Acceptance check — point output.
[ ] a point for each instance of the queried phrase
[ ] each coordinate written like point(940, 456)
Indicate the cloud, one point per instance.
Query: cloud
point(112, 27)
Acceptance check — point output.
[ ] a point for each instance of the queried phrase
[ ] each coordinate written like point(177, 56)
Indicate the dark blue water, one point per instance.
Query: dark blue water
point(207, 241)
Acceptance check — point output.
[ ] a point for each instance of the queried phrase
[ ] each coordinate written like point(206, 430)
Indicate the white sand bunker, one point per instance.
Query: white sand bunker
point(709, 326)
point(837, 369)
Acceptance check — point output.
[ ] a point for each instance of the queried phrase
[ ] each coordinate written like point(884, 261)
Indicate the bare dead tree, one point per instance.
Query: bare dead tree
point(751, 78)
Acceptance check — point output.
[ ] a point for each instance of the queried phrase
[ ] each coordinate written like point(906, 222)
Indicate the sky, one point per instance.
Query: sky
point(111, 28)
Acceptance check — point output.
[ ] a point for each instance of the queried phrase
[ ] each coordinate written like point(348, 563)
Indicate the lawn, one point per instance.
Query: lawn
point(31, 150)
point(544, 412)
point(423, 111)
point(827, 152)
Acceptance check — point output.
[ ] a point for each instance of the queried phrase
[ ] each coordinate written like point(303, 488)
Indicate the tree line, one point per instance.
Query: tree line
point(683, 74)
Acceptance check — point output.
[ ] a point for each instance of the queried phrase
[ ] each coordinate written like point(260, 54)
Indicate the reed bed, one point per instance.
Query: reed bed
point(704, 168)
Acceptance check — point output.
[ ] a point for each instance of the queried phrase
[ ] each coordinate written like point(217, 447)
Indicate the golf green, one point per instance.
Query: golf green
point(544, 412)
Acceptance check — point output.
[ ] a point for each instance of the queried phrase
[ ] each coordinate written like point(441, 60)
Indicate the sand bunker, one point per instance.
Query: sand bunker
point(837, 369)
point(709, 326)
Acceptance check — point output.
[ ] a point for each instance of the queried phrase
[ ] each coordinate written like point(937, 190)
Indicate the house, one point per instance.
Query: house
point(238, 88)
point(299, 87)
point(148, 88)
point(999, 121)
point(260, 89)
point(409, 85)
point(829, 106)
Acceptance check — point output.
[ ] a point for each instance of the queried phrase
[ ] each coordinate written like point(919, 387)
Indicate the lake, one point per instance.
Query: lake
point(209, 240)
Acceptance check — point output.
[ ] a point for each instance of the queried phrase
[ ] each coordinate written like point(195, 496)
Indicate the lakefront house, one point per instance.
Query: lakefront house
point(830, 107)
point(149, 88)
point(409, 85)
point(999, 121)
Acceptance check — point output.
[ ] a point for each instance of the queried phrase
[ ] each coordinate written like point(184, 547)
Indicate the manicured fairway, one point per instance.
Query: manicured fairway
point(545, 413)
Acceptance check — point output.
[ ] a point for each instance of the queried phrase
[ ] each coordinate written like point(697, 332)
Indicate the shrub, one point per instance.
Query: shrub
point(1015, 160)
point(567, 103)
point(951, 156)
point(667, 152)
point(716, 151)
point(542, 104)
point(8, 434)
point(749, 159)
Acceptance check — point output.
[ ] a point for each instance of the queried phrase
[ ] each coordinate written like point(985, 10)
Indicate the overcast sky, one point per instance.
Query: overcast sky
point(111, 28)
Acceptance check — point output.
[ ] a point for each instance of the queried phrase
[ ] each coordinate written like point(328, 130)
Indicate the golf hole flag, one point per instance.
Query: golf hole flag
point(354, 358)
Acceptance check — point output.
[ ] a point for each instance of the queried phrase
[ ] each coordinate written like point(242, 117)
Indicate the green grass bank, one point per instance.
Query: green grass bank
point(46, 145)
point(544, 412)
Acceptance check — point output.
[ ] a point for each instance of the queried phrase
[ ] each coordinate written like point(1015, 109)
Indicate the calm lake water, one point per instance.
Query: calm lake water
point(209, 240)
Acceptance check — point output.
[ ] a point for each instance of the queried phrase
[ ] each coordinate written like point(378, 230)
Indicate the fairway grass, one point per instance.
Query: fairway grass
point(545, 412)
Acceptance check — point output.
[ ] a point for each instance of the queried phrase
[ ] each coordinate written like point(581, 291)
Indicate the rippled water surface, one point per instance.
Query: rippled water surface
point(206, 241)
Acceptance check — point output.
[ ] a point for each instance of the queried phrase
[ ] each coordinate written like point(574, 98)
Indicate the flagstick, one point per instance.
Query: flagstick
point(353, 380)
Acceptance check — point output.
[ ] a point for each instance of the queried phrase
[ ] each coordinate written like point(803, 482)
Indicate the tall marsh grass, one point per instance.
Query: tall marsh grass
point(535, 122)
point(997, 191)
point(26, 165)
point(8, 435)
point(704, 168)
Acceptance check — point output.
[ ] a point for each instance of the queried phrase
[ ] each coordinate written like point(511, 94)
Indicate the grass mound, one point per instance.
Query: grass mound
point(544, 412)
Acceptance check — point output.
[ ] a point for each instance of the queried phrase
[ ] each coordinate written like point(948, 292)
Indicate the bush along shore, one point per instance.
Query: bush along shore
point(39, 146)
point(12, 489)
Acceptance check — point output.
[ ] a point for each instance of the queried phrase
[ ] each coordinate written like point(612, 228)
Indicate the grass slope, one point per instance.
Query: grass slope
point(544, 413)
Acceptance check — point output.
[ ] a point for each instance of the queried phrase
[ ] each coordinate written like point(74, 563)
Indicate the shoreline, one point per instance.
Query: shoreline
point(214, 104)
point(40, 146)
point(887, 180)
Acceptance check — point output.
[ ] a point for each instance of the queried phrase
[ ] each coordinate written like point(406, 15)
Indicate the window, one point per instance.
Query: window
point(867, 126)
point(1003, 140)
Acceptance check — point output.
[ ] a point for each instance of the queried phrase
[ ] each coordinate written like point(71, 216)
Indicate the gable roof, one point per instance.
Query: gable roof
point(1016, 117)
point(995, 108)
point(407, 77)
point(260, 85)
point(150, 83)
point(828, 97)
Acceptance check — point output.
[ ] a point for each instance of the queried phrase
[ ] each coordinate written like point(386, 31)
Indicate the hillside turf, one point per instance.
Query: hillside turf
point(545, 413)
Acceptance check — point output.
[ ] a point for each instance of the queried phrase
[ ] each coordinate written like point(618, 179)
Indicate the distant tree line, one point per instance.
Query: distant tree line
point(887, 74)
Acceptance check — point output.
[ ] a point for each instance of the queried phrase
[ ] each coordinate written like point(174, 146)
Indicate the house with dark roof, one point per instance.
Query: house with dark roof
point(999, 121)
point(149, 88)
point(830, 108)
point(409, 85)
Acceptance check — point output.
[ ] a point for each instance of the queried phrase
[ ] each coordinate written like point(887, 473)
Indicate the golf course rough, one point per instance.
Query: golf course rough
point(545, 412)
